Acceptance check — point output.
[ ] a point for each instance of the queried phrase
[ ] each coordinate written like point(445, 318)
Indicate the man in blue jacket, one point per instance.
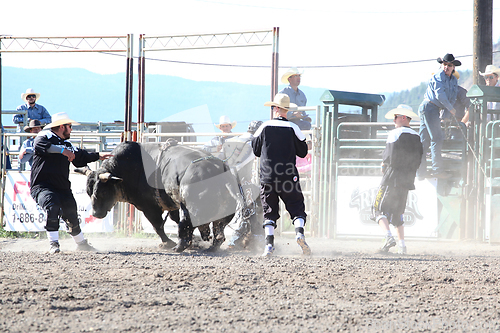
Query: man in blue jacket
point(277, 142)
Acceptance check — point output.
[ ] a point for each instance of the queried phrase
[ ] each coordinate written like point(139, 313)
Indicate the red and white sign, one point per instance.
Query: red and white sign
point(22, 213)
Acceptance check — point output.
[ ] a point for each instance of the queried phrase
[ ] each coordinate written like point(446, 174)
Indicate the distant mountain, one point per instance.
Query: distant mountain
point(92, 97)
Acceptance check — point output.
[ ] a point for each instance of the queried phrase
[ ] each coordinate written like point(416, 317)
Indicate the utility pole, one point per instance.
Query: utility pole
point(483, 37)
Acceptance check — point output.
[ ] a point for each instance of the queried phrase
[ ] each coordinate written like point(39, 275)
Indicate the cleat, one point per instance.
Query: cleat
point(388, 243)
point(85, 246)
point(268, 251)
point(54, 247)
point(301, 240)
point(402, 250)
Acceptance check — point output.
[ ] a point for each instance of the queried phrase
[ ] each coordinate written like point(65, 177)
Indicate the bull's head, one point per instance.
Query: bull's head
point(101, 188)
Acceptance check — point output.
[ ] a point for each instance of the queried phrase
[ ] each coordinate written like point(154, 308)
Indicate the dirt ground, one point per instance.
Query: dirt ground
point(133, 286)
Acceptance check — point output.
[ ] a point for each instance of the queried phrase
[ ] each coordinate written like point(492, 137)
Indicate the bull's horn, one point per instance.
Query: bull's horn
point(84, 171)
point(104, 177)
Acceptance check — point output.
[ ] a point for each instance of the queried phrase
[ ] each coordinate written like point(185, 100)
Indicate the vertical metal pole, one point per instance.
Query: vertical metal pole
point(316, 160)
point(483, 141)
point(274, 65)
point(470, 187)
point(126, 125)
point(128, 90)
point(325, 169)
point(483, 37)
point(141, 90)
point(131, 84)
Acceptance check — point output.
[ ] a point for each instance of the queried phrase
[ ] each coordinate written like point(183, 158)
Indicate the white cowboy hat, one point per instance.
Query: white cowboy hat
point(30, 91)
point(491, 69)
point(290, 72)
point(60, 118)
point(404, 110)
point(225, 120)
point(282, 101)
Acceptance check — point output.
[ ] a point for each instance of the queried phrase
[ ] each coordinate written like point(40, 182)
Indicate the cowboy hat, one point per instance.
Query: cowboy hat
point(288, 73)
point(60, 118)
point(225, 120)
point(28, 92)
point(491, 69)
point(32, 124)
point(403, 110)
point(282, 101)
point(449, 58)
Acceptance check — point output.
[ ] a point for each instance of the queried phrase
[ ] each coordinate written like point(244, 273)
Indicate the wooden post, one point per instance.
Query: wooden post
point(483, 38)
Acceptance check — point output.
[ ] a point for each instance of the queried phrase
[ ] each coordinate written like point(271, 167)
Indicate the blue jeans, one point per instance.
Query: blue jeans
point(431, 135)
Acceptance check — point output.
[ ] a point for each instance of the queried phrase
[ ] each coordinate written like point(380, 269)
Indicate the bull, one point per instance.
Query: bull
point(193, 186)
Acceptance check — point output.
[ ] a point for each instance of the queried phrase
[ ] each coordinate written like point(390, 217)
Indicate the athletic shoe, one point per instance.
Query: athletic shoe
point(402, 250)
point(301, 240)
point(85, 246)
point(389, 242)
point(54, 247)
point(268, 250)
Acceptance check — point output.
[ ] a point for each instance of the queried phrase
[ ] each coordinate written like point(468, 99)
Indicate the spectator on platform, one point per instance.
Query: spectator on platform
point(34, 111)
point(441, 93)
point(28, 148)
point(292, 78)
point(214, 146)
point(490, 75)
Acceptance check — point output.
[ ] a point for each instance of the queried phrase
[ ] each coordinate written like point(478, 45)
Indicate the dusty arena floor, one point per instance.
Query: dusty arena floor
point(132, 286)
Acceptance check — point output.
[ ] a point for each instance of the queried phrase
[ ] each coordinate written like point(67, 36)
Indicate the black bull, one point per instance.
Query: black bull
point(191, 184)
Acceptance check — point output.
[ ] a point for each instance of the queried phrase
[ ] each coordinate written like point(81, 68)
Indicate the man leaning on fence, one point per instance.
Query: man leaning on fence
point(50, 185)
point(400, 161)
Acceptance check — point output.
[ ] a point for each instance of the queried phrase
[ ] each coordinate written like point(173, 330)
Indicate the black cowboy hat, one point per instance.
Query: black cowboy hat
point(449, 58)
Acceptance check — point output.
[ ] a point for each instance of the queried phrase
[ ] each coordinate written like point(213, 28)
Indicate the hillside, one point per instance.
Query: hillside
point(92, 97)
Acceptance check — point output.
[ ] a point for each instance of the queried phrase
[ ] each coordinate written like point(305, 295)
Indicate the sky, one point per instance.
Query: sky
point(339, 45)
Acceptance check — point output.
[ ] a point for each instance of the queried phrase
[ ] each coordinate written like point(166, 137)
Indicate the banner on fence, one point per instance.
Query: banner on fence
point(22, 213)
point(358, 194)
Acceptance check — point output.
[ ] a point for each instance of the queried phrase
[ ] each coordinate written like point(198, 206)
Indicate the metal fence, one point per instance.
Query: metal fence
point(104, 137)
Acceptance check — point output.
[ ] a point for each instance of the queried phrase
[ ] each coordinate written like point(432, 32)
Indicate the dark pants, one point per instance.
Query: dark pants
point(431, 135)
point(291, 194)
point(390, 202)
point(58, 204)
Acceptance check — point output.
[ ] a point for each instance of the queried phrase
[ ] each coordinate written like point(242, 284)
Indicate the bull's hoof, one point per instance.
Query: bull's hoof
point(213, 248)
point(183, 244)
point(168, 244)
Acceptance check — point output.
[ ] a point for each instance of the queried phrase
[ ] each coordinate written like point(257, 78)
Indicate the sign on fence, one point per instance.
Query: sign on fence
point(22, 213)
point(354, 208)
